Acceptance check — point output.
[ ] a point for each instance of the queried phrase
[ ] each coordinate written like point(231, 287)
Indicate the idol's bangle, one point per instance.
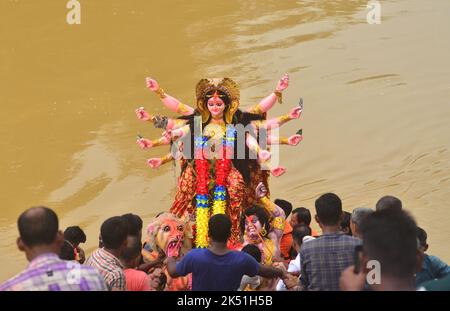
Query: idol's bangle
point(167, 158)
point(160, 92)
point(285, 118)
point(278, 223)
point(284, 141)
point(279, 95)
point(268, 205)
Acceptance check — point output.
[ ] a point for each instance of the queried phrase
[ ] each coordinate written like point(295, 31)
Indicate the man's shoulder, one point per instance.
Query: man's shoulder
point(351, 240)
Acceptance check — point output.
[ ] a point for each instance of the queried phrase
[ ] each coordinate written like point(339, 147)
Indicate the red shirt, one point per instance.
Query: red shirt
point(136, 280)
point(286, 240)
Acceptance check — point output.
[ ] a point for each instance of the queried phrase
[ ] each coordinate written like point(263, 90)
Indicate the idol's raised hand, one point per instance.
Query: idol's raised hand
point(278, 171)
point(154, 162)
point(144, 143)
point(295, 112)
point(151, 84)
point(294, 140)
point(283, 83)
point(141, 114)
point(261, 191)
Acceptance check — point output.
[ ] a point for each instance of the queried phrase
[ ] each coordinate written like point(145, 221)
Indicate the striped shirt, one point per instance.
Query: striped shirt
point(323, 260)
point(109, 267)
point(49, 273)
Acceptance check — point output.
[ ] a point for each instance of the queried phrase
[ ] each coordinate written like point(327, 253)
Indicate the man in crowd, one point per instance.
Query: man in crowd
point(106, 259)
point(358, 215)
point(131, 256)
point(389, 201)
point(286, 239)
point(323, 259)
point(390, 249)
point(302, 215)
point(74, 236)
point(41, 241)
point(432, 267)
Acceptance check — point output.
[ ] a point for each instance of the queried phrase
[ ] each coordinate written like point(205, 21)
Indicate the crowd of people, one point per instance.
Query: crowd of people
point(367, 249)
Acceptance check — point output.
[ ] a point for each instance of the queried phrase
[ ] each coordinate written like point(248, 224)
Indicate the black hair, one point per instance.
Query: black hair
point(114, 232)
point(345, 223)
point(133, 249)
point(38, 226)
point(162, 282)
point(303, 215)
point(67, 251)
point(286, 206)
point(74, 235)
point(219, 228)
point(299, 232)
point(390, 237)
point(253, 251)
point(422, 236)
point(389, 201)
point(134, 224)
point(329, 209)
point(262, 217)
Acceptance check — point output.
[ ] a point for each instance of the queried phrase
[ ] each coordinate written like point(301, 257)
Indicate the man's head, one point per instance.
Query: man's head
point(67, 252)
point(114, 233)
point(131, 254)
point(422, 237)
point(390, 237)
point(300, 216)
point(75, 235)
point(219, 228)
point(389, 201)
point(253, 251)
point(328, 210)
point(134, 225)
point(38, 229)
point(358, 215)
point(298, 233)
point(286, 206)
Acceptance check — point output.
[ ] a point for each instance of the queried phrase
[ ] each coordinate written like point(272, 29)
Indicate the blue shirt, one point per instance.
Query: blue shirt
point(432, 268)
point(211, 272)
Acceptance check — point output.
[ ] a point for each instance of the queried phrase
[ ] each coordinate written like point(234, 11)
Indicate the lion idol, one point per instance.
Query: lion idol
point(221, 165)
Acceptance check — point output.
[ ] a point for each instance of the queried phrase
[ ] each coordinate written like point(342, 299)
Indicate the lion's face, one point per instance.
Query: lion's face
point(169, 234)
point(170, 237)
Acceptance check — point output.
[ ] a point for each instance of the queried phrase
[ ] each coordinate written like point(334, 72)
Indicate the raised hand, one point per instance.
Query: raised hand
point(261, 191)
point(151, 84)
point(144, 143)
point(278, 171)
point(264, 155)
point(295, 139)
point(154, 162)
point(295, 112)
point(141, 114)
point(283, 83)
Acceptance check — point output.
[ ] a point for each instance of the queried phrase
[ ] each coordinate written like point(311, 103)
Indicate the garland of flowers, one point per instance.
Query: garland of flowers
point(223, 168)
point(202, 190)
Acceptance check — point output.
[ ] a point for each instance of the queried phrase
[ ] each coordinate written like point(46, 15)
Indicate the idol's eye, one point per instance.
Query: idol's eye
point(166, 229)
point(180, 228)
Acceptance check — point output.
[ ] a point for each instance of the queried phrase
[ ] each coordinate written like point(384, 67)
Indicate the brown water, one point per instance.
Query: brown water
point(376, 102)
